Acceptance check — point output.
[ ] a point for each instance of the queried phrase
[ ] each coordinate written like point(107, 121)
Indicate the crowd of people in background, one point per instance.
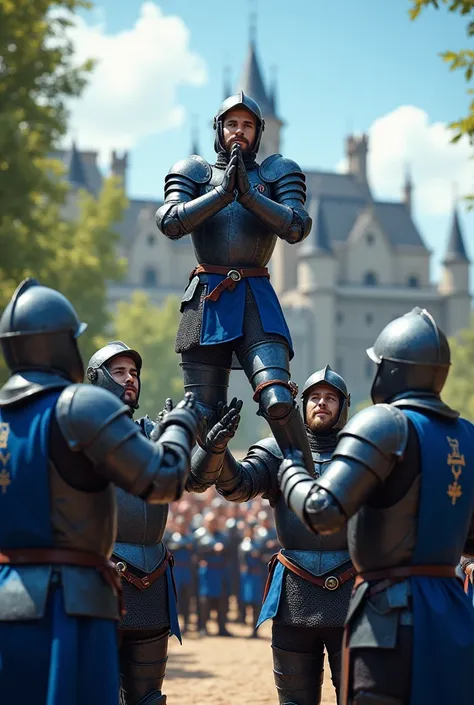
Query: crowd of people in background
point(221, 552)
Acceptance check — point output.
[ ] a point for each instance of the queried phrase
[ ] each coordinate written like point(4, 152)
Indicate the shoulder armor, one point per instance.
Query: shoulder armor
point(194, 168)
point(83, 410)
point(275, 167)
point(269, 445)
point(383, 426)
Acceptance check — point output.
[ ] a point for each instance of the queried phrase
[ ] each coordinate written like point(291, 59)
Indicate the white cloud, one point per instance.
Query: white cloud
point(132, 92)
point(439, 168)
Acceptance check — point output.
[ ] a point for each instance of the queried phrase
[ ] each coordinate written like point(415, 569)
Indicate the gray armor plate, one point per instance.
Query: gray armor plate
point(234, 236)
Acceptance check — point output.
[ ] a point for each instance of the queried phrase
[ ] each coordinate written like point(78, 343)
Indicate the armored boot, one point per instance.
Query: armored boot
point(268, 369)
point(298, 677)
point(209, 385)
point(142, 669)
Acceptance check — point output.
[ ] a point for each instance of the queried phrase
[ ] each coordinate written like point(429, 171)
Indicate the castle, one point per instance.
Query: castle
point(363, 264)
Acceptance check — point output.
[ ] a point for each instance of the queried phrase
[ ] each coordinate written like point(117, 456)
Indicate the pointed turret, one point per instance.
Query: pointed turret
point(76, 172)
point(454, 283)
point(456, 250)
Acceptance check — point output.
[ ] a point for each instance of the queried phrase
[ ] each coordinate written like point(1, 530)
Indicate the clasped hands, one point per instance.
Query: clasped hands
point(236, 180)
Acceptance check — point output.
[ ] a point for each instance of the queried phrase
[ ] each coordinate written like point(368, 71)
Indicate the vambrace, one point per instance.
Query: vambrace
point(286, 215)
point(316, 508)
point(205, 469)
point(180, 214)
point(244, 480)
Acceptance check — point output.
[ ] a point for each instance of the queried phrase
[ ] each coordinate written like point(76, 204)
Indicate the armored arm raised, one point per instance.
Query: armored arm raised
point(184, 209)
point(369, 447)
point(285, 214)
point(255, 475)
point(96, 423)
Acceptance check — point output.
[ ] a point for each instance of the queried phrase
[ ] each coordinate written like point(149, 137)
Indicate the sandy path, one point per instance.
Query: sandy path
point(222, 671)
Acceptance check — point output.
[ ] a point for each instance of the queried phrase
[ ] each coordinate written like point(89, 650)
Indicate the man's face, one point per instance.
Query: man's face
point(240, 127)
point(124, 371)
point(322, 407)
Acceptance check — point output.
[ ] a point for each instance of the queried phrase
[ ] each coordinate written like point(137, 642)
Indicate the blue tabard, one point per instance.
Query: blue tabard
point(56, 659)
point(443, 617)
point(223, 320)
point(252, 581)
point(182, 567)
point(213, 577)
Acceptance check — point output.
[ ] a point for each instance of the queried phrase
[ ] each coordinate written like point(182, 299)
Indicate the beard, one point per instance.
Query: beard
point(321, 424)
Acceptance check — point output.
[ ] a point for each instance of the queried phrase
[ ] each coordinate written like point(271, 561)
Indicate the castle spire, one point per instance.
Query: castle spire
point(455, 250)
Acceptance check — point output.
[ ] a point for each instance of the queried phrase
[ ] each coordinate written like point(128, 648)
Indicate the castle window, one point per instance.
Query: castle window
point(151, 239)
point(339, 318)
point(370, 238)
point(150, 277)
point(370, 279)
point(369, 318)
point(413, 281)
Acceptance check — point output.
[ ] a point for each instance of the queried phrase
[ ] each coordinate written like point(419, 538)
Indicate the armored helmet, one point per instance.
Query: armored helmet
point(98, 374)
point(411, 354)
point(328, 376)
point(39, 330)
point(238, 101)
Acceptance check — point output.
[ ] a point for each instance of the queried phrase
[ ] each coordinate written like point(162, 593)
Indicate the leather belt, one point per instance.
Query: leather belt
point(388, 576)
point(65, 556)
point(331, 582)
point(232, 276)
point(143, 583)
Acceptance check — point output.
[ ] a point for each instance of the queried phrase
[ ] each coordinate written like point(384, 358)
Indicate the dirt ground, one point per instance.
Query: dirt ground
point(213, 670)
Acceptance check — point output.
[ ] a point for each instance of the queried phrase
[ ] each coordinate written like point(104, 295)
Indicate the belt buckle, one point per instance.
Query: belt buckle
point(332, 582)
point(120, 567)
point(234, 274)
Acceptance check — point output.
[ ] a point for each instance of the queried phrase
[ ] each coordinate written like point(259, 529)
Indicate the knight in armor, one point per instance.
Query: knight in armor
point(231, 318)
point(141, 558)
point(63, 448)
point(402, 477)
point(213, 574)
point(252, 573)
point(181, 544)
point(311, 577)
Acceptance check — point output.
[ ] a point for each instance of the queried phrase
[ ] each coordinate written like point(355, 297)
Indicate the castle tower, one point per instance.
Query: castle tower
point(118, 166)
point(356, 153)
point(317, 278)
point(454, 283)
point(252, 84)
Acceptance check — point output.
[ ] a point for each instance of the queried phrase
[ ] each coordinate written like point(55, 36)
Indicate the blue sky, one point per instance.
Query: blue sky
point(341, 66)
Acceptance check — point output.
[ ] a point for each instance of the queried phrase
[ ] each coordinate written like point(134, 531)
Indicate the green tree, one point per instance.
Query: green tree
point(37, 76)
point(459, 389)
point(457, 60)
point(151, 330)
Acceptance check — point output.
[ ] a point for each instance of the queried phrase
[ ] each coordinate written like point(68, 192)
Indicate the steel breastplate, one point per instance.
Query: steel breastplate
point(234, 236)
